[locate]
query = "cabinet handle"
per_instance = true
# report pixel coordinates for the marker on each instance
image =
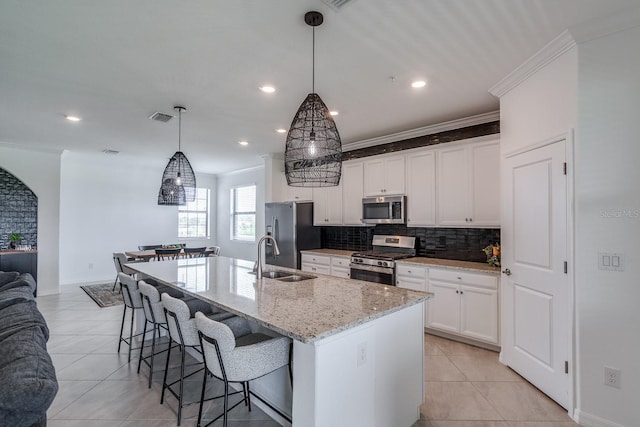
(409, 271)
(461, 292)
(459, 278)
(457, 292)
(466, 219)
(470, 219)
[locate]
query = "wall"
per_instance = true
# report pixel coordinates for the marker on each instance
(228, 247)
(608, 220)
(109, 204)
(542, 107)
(40, 171)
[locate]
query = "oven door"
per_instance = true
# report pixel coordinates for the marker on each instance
(369, 273)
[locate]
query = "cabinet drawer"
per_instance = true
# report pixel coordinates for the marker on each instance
(316, 268)
(340, 262)
(316, 259)
(343, 272)
(464, 277)
(411, 271)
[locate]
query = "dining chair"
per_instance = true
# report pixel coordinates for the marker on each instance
(148, 247)
(213, 251)
(163, 253)
(234, 359)
(194, 252)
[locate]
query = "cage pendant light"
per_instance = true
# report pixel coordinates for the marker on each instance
(178, 180)
(313, 154)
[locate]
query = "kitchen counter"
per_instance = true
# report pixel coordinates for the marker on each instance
(357, 346)
(449, 263)
(15, 251)
(330, 252)
(306, 311)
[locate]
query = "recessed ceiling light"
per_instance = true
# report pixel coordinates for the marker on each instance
(268, 89)
(281, 130)
(243, 143)
(334, 113)
(73, 118)
(418, 84)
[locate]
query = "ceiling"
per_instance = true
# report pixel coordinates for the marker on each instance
(116, 62)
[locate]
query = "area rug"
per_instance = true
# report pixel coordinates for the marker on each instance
(103, 295)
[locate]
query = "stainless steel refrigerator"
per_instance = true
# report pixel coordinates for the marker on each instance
(291, 224)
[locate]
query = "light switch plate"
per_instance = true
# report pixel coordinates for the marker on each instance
(610, 261)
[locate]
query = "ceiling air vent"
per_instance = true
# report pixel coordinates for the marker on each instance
(161, 117)
(336, 4)
(112, 152)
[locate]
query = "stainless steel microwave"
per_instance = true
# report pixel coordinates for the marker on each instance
(384, 210)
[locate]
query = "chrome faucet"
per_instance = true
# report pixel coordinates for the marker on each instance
(276, 251)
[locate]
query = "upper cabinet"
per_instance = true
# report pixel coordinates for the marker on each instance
(421, 189)
(294, 194)
(352, 192)
(384, 176)
(327, 205)
(469, 185)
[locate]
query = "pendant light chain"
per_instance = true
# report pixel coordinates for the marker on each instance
(313, 60)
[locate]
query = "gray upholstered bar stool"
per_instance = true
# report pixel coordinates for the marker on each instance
(154, 315)
(183, 333)
(132, 301)
(237, 359)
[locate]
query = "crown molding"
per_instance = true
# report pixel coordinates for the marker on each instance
(539, 60)
(605, 26)
(422, 131)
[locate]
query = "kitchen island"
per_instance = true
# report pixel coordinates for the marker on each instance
(358, 346)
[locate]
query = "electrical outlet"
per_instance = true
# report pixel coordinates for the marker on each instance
(612, 377)
(362, 353)
(90, 266)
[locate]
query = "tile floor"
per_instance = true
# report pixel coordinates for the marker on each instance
(465, 386)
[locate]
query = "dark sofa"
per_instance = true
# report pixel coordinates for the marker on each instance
(28, 381)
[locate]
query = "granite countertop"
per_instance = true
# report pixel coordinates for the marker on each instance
(306, 311)
(449, 263)
(14, 251)
(331, 252)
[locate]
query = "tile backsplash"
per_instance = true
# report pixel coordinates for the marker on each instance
(462, 244)
(18, 211)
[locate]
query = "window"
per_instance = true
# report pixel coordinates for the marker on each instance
(193, 218)
(243, 213)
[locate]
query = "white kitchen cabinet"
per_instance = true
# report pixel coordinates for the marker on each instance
(327, 205)
(464, 304)
(352, 192)
(340, 267)
(469, 185)
(315, 263)
(421, 189)
(384, 176)
(410, 276)
(294, 194)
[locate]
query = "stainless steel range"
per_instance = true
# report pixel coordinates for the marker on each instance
(379, 265)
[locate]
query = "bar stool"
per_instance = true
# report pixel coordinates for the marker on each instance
(237, 360)
(183, 333)
(132, 301)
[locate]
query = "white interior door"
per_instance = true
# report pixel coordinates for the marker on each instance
(535, 295)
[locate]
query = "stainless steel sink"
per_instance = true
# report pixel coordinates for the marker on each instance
(273, 274)
(295, 278)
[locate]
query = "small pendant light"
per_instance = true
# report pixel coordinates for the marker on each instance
(313, 154)
(178, 180)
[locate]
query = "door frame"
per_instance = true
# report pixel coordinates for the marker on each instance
(569, 138)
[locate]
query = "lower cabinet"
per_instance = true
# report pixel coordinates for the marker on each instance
(340, 267)
(315, 263)
(412, 277)
(464, 303)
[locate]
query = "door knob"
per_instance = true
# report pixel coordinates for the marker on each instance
(507, 271)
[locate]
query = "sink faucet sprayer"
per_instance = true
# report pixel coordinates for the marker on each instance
(276, 251)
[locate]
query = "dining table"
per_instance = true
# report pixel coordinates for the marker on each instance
(149, 254)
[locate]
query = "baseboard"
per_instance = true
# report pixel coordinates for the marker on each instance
(588, 420)
(464, 340)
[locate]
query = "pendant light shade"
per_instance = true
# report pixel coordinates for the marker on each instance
(178, 180)
(313, 154)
